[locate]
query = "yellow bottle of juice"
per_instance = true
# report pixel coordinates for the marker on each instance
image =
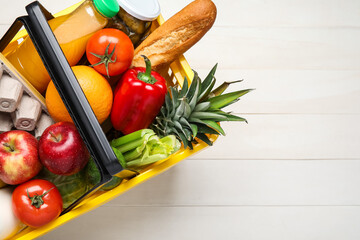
(71, 31)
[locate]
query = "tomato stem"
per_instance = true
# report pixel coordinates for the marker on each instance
(37, 200)
(105, 58)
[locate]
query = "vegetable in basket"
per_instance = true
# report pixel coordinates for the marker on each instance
(36, 202)
(144, 147)
(135, 151)
(138, 98)
(110, 51)
(192, 112)
(70, 187)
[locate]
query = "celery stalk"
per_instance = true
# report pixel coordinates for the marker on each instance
(134, 144)
(131, 155)
(130, 137)
(144, 147)
(138, 163)
(120, 157)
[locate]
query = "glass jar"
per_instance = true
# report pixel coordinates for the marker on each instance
(135, 18)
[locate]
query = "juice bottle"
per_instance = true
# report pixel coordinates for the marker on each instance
(71, 31)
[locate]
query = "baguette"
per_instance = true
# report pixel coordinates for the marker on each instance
(176, 35)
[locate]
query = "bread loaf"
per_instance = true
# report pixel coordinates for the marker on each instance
(176, 35)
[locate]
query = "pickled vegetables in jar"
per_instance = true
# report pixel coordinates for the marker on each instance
(135, 18)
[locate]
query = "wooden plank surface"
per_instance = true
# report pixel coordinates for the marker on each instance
(293, 171)
(250, 183)
(227, 222)
(288, 136)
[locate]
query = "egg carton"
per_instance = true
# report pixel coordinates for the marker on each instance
(21, 106)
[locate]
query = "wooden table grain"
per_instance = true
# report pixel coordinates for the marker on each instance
(293, 171)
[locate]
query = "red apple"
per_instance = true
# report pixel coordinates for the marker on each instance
(62, 150)
(19, 161)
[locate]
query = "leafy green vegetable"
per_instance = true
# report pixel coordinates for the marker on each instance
(144, 147)
(70, 187)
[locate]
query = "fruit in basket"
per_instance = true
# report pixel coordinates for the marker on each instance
(96, 89)
(19, 159)
(9, 224)
(110, 51)
(192, 112)
(36, 202)
(62, 150)
(138, 98)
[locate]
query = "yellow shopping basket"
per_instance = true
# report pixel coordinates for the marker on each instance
(84, 119)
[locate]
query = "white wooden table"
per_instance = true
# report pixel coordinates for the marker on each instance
(293, 172)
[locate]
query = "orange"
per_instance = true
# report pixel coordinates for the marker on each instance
(96, 89)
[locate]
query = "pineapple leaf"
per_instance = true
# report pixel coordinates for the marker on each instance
(231, 117)
(221, 101)
(184, 122)
(207, 81)
(194, 99)
(182, 138)
(206, 92)
(208, 115)
(191, 91)
(179, 127)
(220, 89)
(194, 129)
(215, 126)
(190, 146)
(167, 103)
(187, 109)
(188, 134)
(236, 100)
(184, 88)
(163, 110)
(204, 138)
(205, 129)
(175, 101)
(180, 110)
(202, 107)
(195, 120)
(208, 123)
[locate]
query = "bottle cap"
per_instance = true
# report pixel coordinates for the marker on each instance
(108, 8)
(146, 10)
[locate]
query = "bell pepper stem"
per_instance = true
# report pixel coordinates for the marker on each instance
(146, 76)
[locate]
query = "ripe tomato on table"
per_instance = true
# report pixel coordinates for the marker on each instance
(36, 202)
(110, 51)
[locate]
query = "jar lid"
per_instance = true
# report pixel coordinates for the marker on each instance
(146, 10)
(108, 8)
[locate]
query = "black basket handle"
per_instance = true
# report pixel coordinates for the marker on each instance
(70, 90)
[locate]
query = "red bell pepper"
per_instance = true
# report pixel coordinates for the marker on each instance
(138, 98)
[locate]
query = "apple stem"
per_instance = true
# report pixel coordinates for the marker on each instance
(37, 200)
(54, 137)
(9, 146)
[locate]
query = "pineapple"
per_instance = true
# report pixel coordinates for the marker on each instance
(195, 110)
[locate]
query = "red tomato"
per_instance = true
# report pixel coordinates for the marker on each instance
(103, 57)
(36, 202)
